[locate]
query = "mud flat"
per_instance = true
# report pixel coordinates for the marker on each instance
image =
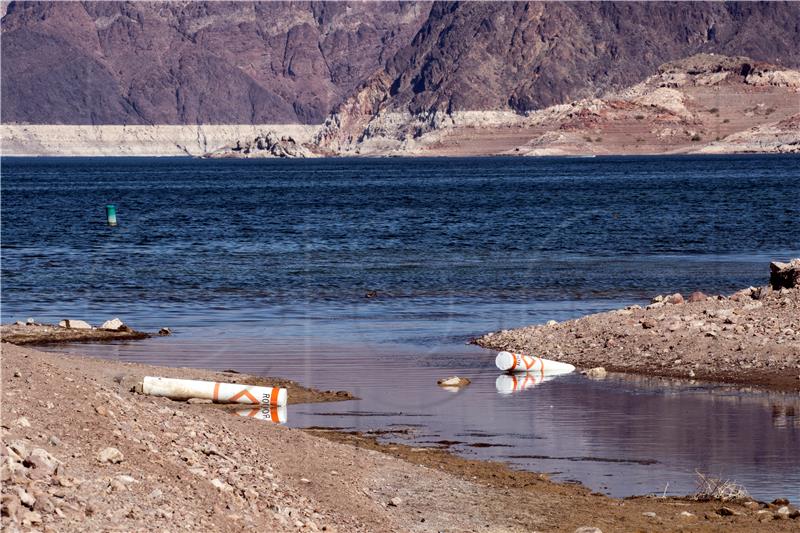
(82, 452)
(751, 337)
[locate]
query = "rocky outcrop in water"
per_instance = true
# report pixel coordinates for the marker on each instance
(268, 144)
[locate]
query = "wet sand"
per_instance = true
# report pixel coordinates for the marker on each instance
(187, 466)
(751, 337)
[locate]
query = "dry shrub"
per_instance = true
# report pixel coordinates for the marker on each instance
(711, 488)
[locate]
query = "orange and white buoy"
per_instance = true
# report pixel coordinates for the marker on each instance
(515, 362)
(183, 389)
(271, 413)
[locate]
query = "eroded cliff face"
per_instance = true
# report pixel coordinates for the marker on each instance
(472, 56)
(193, 62)
(404, 77)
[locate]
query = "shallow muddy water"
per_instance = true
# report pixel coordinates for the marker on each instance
(264, 267)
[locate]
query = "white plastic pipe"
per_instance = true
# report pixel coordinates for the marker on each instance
(515, 362)
(511, 383)
(183, 389)
(272, 413)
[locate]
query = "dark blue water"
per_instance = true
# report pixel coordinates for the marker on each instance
(263, 266)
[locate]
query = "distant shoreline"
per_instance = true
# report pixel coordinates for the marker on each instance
(216, 141)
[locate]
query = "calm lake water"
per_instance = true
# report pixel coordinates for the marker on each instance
(263, 267)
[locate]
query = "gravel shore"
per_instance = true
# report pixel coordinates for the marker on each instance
(83, 453)
(751, 337)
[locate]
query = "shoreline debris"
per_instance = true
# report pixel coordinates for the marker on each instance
(184, 389)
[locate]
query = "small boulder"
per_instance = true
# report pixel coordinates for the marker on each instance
(785, 275)
(30, 322)
(74, 324)
(675, 299)
(552, 323)
(697, 296)
(110, 455)
(42, 463)
(164, 332)
(115, 324)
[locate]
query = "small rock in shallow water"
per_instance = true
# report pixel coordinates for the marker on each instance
(454, 381)
(597, 372)
(165, 331)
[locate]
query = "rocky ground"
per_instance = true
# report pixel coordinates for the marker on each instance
(752, 337)
(82, 452)
(37, 334)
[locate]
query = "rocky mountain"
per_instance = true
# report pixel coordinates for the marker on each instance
(193, 62)
(361, 69)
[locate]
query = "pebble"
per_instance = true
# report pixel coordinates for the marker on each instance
(54, 441)
(552, 322)
(22, 422)
(156, 494)
(395, 502)
(110, 455)
(17, 374)
(686, 514)
(727, 511)
(648, 323)
(30, 321)
(588, 529)
(649, 514)
(304, 480)
(197, 401)
(221, 485)
(27, 499)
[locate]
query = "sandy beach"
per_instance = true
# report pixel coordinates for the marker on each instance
(83, 452)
